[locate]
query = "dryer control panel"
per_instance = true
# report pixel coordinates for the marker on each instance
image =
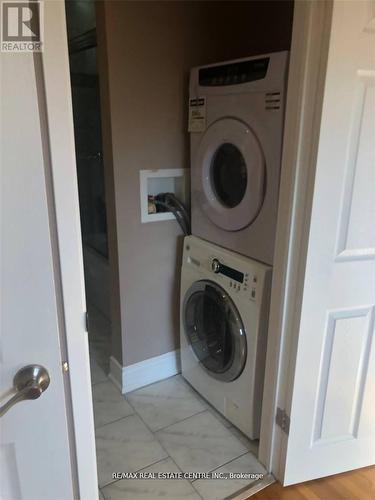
(234, 73)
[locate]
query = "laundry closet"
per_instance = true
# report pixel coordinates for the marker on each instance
(192, 104)
(145, 54)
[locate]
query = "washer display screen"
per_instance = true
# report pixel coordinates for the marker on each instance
(229, 175)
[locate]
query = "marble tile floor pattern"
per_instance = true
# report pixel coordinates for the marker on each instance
(164, 427)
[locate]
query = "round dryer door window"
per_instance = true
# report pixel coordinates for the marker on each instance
(215, 330)
(233, 174)
(229, 175)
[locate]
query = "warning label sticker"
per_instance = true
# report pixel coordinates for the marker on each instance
(197, 114)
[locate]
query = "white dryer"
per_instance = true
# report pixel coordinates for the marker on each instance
(236, 152)
(224, 321)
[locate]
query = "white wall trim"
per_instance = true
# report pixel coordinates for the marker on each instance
(115, 372)
(132, 377)
(59, 116)
(311, 22)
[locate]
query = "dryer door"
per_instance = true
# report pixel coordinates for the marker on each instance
(233, 174)
(214, 330)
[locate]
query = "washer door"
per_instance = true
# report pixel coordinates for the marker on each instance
(232, 174)
(214, 330)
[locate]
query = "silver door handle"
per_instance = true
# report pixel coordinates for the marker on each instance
(29, 382)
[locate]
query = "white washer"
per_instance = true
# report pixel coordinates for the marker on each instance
(236, 154)
(224, 320)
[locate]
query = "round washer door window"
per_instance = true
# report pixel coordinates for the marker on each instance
(215, 330)
(233, 174)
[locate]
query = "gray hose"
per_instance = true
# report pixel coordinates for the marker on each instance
(179, 217)
(173, 198)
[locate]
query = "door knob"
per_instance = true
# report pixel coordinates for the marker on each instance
(29, 382)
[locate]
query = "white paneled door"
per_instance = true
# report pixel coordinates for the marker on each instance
(46, 444)
(35, 449)
(332, 400)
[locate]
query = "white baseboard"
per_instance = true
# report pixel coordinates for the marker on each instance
(132, 377)
(115, 372)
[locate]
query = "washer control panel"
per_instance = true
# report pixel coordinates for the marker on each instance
(238, 280)
(239, 275)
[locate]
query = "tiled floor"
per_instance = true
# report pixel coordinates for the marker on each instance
(164, 427)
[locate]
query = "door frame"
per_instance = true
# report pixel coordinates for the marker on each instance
(309, 51)
(307, 70)
(54, 85)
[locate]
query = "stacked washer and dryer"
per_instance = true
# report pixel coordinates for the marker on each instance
(227, 262)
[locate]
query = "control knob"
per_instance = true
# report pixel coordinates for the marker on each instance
(215, 266)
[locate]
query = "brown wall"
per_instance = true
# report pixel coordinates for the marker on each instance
(150, 47)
